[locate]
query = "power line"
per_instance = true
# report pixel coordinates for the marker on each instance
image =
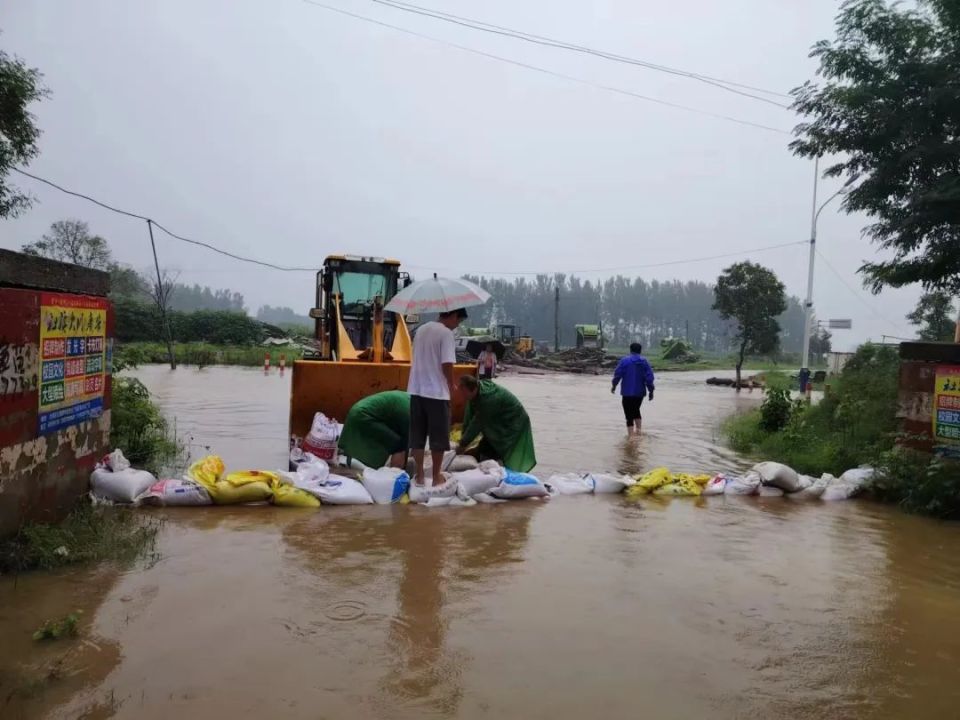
(727, 85)
(536, 68)
(160, 227)
(630, 267)
(856, 294)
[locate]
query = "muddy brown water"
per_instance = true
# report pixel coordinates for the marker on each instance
(578, 607)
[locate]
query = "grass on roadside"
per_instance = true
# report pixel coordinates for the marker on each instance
(203, 354)
(88, 534)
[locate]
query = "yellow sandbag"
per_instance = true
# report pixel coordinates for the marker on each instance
(223, 493)
(404, 499)
(289, 496)
(700, 480)
(683, 487)
(456, 433)
(207, 470)
(651, 481)
(242, 477)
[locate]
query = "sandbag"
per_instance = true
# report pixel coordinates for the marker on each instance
(223, 493)
(816, 488)
(124, 486)
(517, 485)
(651, 481)
(290, 496)
(421, 493)
(242, 477)
(684, 487)
(805, 481)
(716, 485)
(700, 480)
(386, 485)
(206, 471)
(115, 461)
(473, 482)
(338, 490)
(572, 483)
(778, 475)
(492, 467)
(452, 501)
(747, 484)
(487, 499)
(770, 491)
(462, 462)
(858, 477)
(605, 484)
(322, 439)
(311, 469)
(840, 489)
(175, 493)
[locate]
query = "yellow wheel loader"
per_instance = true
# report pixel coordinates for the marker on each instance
(361, 349)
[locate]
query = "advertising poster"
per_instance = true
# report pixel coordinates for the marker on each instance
(946, 411)
(73, 332)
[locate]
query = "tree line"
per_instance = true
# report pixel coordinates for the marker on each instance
(629, 309)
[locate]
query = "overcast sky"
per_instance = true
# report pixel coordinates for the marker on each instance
(284, 131)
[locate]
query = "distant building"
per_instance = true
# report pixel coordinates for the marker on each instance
(836, 361)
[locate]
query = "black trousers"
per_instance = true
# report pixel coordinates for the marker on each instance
(631, 408)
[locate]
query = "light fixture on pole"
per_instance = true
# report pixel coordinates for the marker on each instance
(808, 305)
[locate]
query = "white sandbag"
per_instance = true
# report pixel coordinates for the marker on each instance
(452, 501)
(176, 493)
(311, 469)
(572, 483)
(519, 485)
(487, 499)
(115, 461)
(492, 467)
(386, 485)
(338, 490)
(448, 458)
(838, 489)
(812, 488)
(322, 439)
(473, 482)
(747, 484)
(778, 475)
(124, 486)
(421, 493)
(858, 477)
(461, 463)
(715, 486)
(605, 484)
(770, 491)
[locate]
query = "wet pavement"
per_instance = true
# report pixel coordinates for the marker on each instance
(668, 608)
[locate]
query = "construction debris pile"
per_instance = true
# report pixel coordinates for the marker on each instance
(580, 361)
(315, 483)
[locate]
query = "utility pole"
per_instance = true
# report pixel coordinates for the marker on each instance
(556, 319)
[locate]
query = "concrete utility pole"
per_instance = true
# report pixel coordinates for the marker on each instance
(556, 319)
(808, 305)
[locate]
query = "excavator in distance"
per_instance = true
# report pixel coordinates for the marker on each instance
(361, 349)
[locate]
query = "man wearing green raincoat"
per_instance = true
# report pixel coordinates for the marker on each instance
(376, 430)
(496, 413)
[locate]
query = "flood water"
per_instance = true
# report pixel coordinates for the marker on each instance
(578, 607)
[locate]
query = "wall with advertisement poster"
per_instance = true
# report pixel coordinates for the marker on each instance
(56, 329)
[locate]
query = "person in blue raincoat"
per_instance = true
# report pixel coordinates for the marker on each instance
(635, 378)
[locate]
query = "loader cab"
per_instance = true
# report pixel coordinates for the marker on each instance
(350, 295)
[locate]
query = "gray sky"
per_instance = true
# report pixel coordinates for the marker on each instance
(286, 132)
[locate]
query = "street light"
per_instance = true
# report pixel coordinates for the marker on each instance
(808, 305)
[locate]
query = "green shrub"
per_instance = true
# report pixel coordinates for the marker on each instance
(138, 428)
(775, 410)
(919, 483)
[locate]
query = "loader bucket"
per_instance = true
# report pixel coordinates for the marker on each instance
(333, 387)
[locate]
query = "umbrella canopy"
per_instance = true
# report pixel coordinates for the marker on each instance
(437, 295)
(477, 345)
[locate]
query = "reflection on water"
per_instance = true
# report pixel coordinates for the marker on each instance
(577, 607)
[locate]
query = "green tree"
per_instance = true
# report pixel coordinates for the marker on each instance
(934, 316)
(820, 344)
(752, 297)
(19, 87)
(70, 241)
(889, 106)
(128, 284)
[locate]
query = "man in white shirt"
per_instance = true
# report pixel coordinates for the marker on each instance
(430, 388)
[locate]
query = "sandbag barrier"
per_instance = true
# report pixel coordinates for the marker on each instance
(315, 483)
